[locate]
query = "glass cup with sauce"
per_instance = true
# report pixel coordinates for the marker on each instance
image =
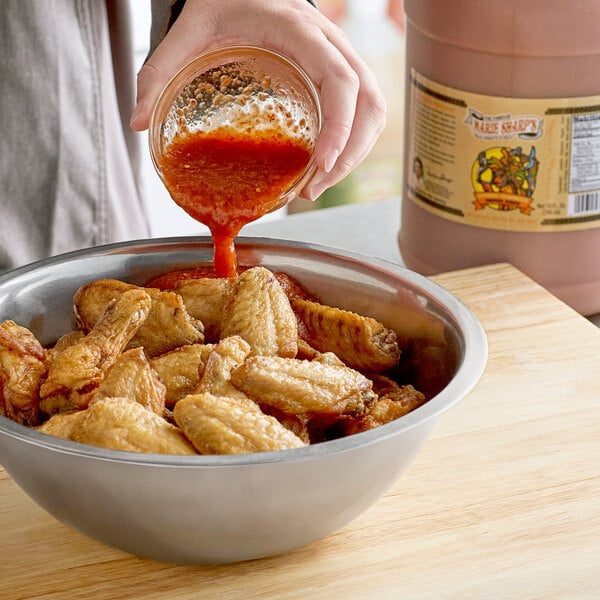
(232, 137)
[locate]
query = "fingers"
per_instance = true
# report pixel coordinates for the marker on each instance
(353, 118)
(353, 108)
(148, 90)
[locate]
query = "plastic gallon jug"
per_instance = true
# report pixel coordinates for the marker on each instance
(502, 141)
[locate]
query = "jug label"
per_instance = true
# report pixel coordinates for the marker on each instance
(517, 164)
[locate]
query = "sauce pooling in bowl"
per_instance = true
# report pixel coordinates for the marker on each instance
(225, 178)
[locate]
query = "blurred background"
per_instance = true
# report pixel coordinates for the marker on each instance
(376, 30)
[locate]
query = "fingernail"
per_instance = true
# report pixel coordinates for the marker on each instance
(136, 114)
(315, 190)
(330, 160)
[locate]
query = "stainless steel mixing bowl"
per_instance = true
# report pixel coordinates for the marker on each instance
(214, 509)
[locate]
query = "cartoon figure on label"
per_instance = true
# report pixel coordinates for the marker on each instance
(418, 170)
(504, 179)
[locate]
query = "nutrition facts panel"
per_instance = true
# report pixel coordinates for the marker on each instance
(585, 153)
(584, 183)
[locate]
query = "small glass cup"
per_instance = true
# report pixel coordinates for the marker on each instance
(244, 87)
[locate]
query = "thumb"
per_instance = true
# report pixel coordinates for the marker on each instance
(168, 58)
(149, 85)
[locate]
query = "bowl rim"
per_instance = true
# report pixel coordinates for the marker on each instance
(466, 377)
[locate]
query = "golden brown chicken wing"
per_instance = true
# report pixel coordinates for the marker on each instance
(393, 401)
(205, 300)
(297, 424)
(360, 342)
(22, 368)
(220, 425)
(404, 397)
(132, 376)
(75, 373)
(329, 358)
(302, 386)
(62, 425)
(172, 280)
(68, 339)
(227, 355)
(120, 424)
(168, 325)
(258, 311)
(180, 369)
(307, 352)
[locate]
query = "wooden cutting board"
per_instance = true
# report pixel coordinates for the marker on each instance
(502, 502)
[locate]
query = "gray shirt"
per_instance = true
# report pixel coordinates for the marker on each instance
(69, 163)
(69, 172)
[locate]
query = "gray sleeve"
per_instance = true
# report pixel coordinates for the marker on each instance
(164, 14)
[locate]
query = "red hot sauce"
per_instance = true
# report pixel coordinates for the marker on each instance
(226, 178)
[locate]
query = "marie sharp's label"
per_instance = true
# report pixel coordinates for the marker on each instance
(504, 163)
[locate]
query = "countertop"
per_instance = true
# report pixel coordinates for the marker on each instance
(369, 227)
(502, 502)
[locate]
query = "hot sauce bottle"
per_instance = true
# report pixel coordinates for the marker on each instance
(502, 141)
(232, 138)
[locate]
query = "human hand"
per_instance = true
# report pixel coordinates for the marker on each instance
(353, 107)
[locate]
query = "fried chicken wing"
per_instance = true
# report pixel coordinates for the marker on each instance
(120, 424)
(306, 351)
(301, 386)
(171, 280)
(205, 300)
(228, 354)
(259, 311)
(329, 358)
(76, 372)
(360, 342)
(297, 424)
(22, 367)
(64, 341)
(180, 369)
(393, 401)
(405, 398)
(220, 425)
(132, 376)
(168, 325)
(62, 425)
(19, 339)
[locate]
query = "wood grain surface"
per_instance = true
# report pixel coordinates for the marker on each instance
(502, 502)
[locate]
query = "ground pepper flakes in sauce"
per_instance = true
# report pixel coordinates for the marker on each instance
(225, 178)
